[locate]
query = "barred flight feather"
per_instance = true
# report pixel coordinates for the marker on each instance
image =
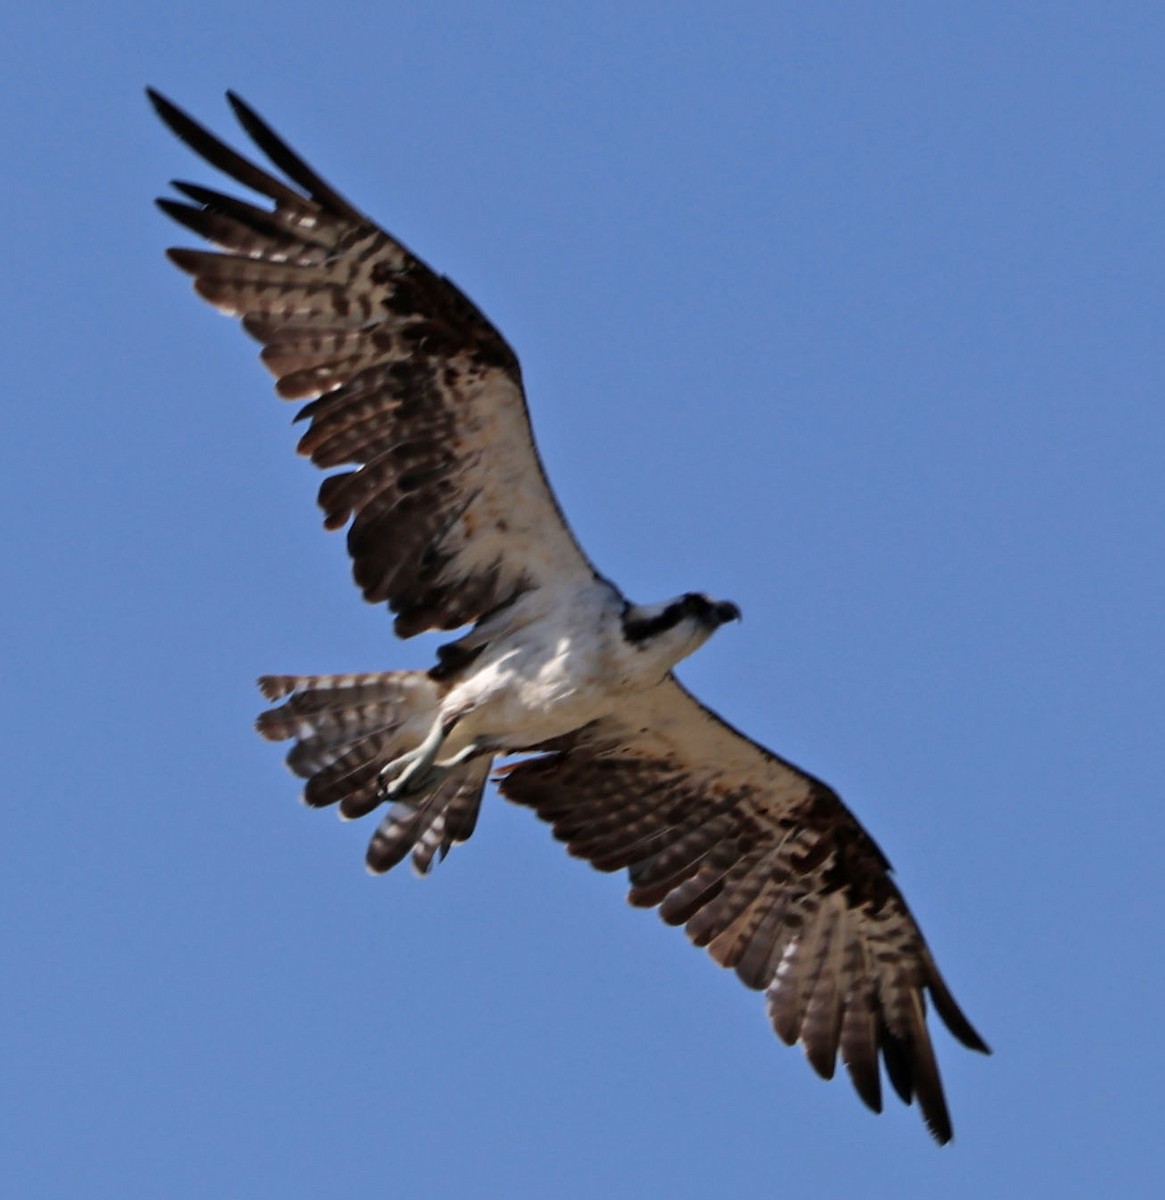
(434, 533)
(418, 401)
(768, 870)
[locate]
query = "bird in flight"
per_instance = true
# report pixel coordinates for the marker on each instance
(453, 525)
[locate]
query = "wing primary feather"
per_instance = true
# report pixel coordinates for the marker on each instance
(763, 864)
(821, 1024)
(286, 159)
(229, 231)
(220, 155)
(896, 1056)
(780, 882)
(859, 1029)
(924, 1071)
(274, 231)
(951, 1014)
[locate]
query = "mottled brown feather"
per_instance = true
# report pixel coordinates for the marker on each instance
(767, 868)
(413, 391)
(408, 383)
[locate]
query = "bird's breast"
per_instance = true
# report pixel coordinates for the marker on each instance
(543, 680)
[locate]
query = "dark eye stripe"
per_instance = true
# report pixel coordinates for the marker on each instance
(638, 630)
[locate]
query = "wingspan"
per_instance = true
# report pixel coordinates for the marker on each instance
(765, 867)
(451, 514)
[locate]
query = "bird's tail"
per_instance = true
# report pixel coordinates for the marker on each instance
(347, 729)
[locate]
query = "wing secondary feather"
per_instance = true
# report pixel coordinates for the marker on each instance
(418, 400)
(449, 511)
(767, 868)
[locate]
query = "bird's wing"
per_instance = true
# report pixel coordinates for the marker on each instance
(451, 514)
(767, 868)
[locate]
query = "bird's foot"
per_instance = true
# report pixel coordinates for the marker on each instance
(406, 774)
(418, 771)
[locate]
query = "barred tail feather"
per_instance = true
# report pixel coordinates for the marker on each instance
(347, 729)
(427, 826)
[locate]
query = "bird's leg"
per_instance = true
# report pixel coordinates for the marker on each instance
(462, 756)
(418, 770)
(407, 773)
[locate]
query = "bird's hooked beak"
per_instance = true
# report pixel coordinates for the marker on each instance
(726, 611)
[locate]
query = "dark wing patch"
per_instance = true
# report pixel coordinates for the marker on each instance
(765, 867)
(409, 384)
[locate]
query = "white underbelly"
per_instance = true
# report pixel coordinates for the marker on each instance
(526, 694)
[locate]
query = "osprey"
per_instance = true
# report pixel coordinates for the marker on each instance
(452, 524)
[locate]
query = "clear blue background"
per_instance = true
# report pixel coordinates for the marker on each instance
(851, 313)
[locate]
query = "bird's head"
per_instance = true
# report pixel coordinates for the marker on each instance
(667, 632)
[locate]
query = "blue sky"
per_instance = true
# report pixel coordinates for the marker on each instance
(850, 313)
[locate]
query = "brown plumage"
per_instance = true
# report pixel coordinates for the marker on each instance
(767, 868)
(451, 523)
(412, 386)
